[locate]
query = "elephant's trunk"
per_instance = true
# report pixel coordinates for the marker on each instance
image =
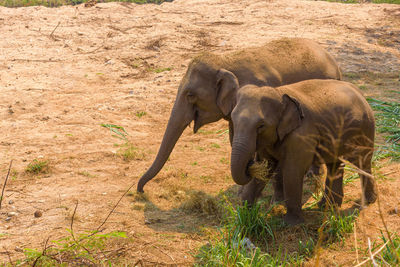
(181, 116)
(243, 149)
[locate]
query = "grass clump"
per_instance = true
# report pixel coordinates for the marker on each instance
(202, 203)
(237, 244)
(129, 152)
(390, 255)
(159, 70)
(37, 167)
(336, 226)
(235, 250)
(116, 130)
(77, 249)
(251, 222)
(140, 114)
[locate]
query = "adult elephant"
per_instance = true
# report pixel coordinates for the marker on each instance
(207, 85)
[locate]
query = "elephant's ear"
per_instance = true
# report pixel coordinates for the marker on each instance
(291, 117)
(227, 86)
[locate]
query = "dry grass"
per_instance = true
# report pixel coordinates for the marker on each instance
(156, 43)
(201, 203)
(260, 170)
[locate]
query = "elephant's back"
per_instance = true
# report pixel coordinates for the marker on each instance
(301, 59)
(289, 59)
(340, 100)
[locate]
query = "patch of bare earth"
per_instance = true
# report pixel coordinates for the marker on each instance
(64, 71)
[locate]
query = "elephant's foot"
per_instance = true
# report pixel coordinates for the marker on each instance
(370, 190)
(370, 197)
(336, 202)
(278, 196)
(293, 219)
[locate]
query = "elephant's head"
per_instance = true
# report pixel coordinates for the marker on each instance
(262, 117)
(206, 94)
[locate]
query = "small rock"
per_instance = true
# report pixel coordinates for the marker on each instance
(249, 245)
(11, 214)
(394, 211)
(38, 214)
(11, 202)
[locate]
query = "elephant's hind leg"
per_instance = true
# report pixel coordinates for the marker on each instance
(368, 184)
(333, 185)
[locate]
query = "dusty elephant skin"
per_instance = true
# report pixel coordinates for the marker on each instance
(298, 124)
(210, 80)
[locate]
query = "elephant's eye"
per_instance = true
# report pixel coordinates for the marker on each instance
(191, 98)
(260, 128)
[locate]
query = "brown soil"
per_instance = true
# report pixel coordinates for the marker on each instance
(64, 71)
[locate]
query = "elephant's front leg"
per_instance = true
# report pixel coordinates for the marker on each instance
(251, 191)
(293, 169)
(277, 183)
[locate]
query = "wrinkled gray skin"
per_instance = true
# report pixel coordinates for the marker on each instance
(208, 83)
(296, 125)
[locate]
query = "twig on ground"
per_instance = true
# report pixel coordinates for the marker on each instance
(42, 254)
(5, 182)
(370, 253)
(355, 240)
(112, 210)
(51, 34)
(165, 253)
(73, 236)
(9, 257)
(139, 262)
(373, 254)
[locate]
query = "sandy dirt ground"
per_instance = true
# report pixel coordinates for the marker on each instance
(65, 71)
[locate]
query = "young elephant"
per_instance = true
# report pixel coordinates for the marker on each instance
(296, 125)
(209, 79)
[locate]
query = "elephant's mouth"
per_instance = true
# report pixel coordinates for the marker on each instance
(249, 164)
(196, 126)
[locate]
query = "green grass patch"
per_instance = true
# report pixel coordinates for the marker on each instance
(140, 114)
(57, 3)
(75, 250)
(390, 255)
(336, 226)
(117, 131)
(159, 70)
(257, 236)
(214, 145)
(235, 250)
(243, 237)
(129, 152)
(38, 166)
(387, 122)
